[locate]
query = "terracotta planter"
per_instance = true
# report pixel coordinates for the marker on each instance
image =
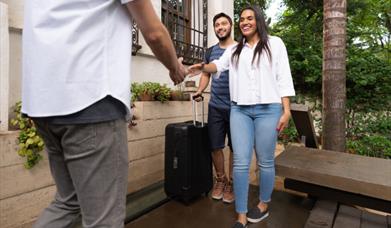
(175, 96)
(145, 97)
(179, 96)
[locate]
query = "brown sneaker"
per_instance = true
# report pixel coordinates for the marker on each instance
(228, 193)
(218, 188)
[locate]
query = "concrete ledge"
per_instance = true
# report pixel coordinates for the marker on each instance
(4, 66)
(145, 148)
(151, 128)
(15, 13)
(9, 148)
(167, 110)
(145, 172)
(16, 180)
(145, 166)
(22, 209)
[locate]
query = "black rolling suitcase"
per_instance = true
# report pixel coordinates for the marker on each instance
(188, 161)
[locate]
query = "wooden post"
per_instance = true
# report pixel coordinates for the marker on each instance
(4, 67)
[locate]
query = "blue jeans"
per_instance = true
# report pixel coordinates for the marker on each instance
(253, 124)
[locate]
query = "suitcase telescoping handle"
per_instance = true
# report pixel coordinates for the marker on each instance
(195, 114)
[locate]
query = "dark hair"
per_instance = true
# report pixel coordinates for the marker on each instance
(262, 33)
(217, 16)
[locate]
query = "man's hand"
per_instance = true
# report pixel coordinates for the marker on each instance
(195, 69)
(197, 96)
(179, 74)
(157, 37)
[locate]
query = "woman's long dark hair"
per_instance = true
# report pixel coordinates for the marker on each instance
(262, 33)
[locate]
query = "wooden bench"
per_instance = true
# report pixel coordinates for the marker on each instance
(335, 178)
(330, 214)
(302, 118)
(342, 177)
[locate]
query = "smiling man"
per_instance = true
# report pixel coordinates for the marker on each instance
(219, 109)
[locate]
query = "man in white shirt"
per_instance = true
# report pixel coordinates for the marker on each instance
(76, 82)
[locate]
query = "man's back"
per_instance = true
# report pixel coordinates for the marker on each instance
(75, 53)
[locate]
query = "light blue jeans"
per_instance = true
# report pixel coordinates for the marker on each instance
(253, 125)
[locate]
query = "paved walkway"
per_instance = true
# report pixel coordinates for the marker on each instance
(286, 211)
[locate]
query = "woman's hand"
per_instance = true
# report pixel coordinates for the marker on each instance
(283, 123)
(195, 69)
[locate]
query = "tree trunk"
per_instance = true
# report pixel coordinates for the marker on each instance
(334, 75)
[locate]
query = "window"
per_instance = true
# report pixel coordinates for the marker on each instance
(135, 34)
(186, 20)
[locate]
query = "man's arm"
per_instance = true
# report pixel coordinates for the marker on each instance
(204, 82)
(198, 68)
(157, 37)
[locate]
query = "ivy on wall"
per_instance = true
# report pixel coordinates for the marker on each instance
(30, 143)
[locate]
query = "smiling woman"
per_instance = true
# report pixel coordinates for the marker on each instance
(260, 85)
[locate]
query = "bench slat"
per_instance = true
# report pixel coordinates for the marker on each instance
(348, 172)
(322, 215)
(338, 195)
(371, 220)
(347, 217)
(302, 118)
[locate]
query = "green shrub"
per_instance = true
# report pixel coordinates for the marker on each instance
(289, 134)
(164, 93)
(153, 89)
(30, 143)
(373, 146)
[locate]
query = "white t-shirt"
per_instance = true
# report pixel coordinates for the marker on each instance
(75, 52)
(262, 83)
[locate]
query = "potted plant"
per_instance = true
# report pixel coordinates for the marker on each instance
(163, 94)
(150, 91)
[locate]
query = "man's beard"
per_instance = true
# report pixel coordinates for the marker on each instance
(223, 38)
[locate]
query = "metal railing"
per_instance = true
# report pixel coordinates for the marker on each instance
(135, 39)
(186, 21)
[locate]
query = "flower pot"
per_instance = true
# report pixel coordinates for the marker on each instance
(179, 96)
(145, 97)
(176, 96)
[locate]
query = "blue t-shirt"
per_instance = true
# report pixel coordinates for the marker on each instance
(220, 86)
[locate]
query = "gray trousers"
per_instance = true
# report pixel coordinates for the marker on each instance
(89, 164)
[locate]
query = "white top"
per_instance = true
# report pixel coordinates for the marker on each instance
(262, 83)
(75, 52)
